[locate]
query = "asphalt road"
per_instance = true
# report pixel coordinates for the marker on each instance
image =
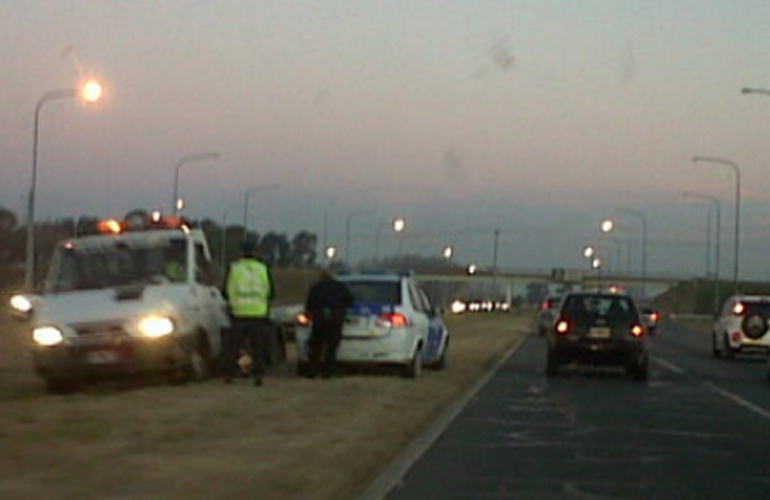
(698, 429)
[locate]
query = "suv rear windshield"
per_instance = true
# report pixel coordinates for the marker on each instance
(613, 306)
(375, 292)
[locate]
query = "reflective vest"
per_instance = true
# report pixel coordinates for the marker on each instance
(248, 289)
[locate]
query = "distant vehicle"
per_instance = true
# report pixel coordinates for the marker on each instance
(391, 323)
(127, 302)
(599, 329)
(650, 318)
(546, 314)
(742, 326)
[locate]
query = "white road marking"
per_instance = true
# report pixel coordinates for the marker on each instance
(716, 389)
(670, 366)
(394, 473)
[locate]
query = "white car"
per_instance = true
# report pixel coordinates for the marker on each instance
(125, 303)
(392, 323)
(742, 326)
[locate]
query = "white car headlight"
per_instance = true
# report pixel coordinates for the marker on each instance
(47, 335)
(156, 326)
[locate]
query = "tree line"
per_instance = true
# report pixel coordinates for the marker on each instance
(278, 249)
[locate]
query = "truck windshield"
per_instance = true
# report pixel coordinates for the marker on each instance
(119, 264)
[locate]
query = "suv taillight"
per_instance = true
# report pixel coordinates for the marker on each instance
(562, 327)
(392, 320)
(637, 331)
(739, 308)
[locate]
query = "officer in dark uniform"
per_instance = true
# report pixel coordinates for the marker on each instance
(327, 303)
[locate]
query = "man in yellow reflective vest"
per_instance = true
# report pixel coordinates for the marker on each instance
(248, 290)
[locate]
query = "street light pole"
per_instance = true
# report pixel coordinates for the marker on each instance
(261, 187)
(737, 171)
(208, 155)
(643, 219)
(718, 208)
(91, 91)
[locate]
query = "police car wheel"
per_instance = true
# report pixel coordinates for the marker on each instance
(414, 368)
(443, 361)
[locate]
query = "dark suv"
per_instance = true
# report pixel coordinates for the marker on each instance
(599, 329)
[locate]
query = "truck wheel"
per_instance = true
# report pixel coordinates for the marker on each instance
(196, 364)
(60, 386)
(413, 369)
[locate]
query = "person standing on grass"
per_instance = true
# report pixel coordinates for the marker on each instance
(327, 303)
(248, 291)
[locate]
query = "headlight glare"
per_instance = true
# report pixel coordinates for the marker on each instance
(21, 303)
(156, 326)
(47, 335)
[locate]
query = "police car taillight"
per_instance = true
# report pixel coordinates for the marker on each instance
(392, 320)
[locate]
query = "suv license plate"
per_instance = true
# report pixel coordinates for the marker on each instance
(104, 357)
(599, 332)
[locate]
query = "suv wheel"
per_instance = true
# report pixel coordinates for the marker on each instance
(414, 368)
(552, 362)
(640, 370)
(715, 351)
(727, 351)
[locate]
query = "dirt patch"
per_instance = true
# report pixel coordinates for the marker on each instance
(293, 438)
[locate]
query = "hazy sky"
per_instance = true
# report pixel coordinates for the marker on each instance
(537, 117)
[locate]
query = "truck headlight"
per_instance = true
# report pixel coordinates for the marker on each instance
(156, 326)
(47, 335)
(21, 304)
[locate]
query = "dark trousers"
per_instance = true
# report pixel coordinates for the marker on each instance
(249, 334)
(324, 340)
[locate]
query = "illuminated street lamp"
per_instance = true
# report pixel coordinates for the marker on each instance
(448, 252)
(596, 263)
(588, 251)
(472, 268)
(608, 226)
(399, 226)
(330, 252)
(90, 92)
(208, 155)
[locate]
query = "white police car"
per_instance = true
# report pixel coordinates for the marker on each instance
(392, 322)
(127, 302)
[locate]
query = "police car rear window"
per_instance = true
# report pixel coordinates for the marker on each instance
(375, 292)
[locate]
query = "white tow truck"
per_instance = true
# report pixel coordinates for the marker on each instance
(127, 302)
